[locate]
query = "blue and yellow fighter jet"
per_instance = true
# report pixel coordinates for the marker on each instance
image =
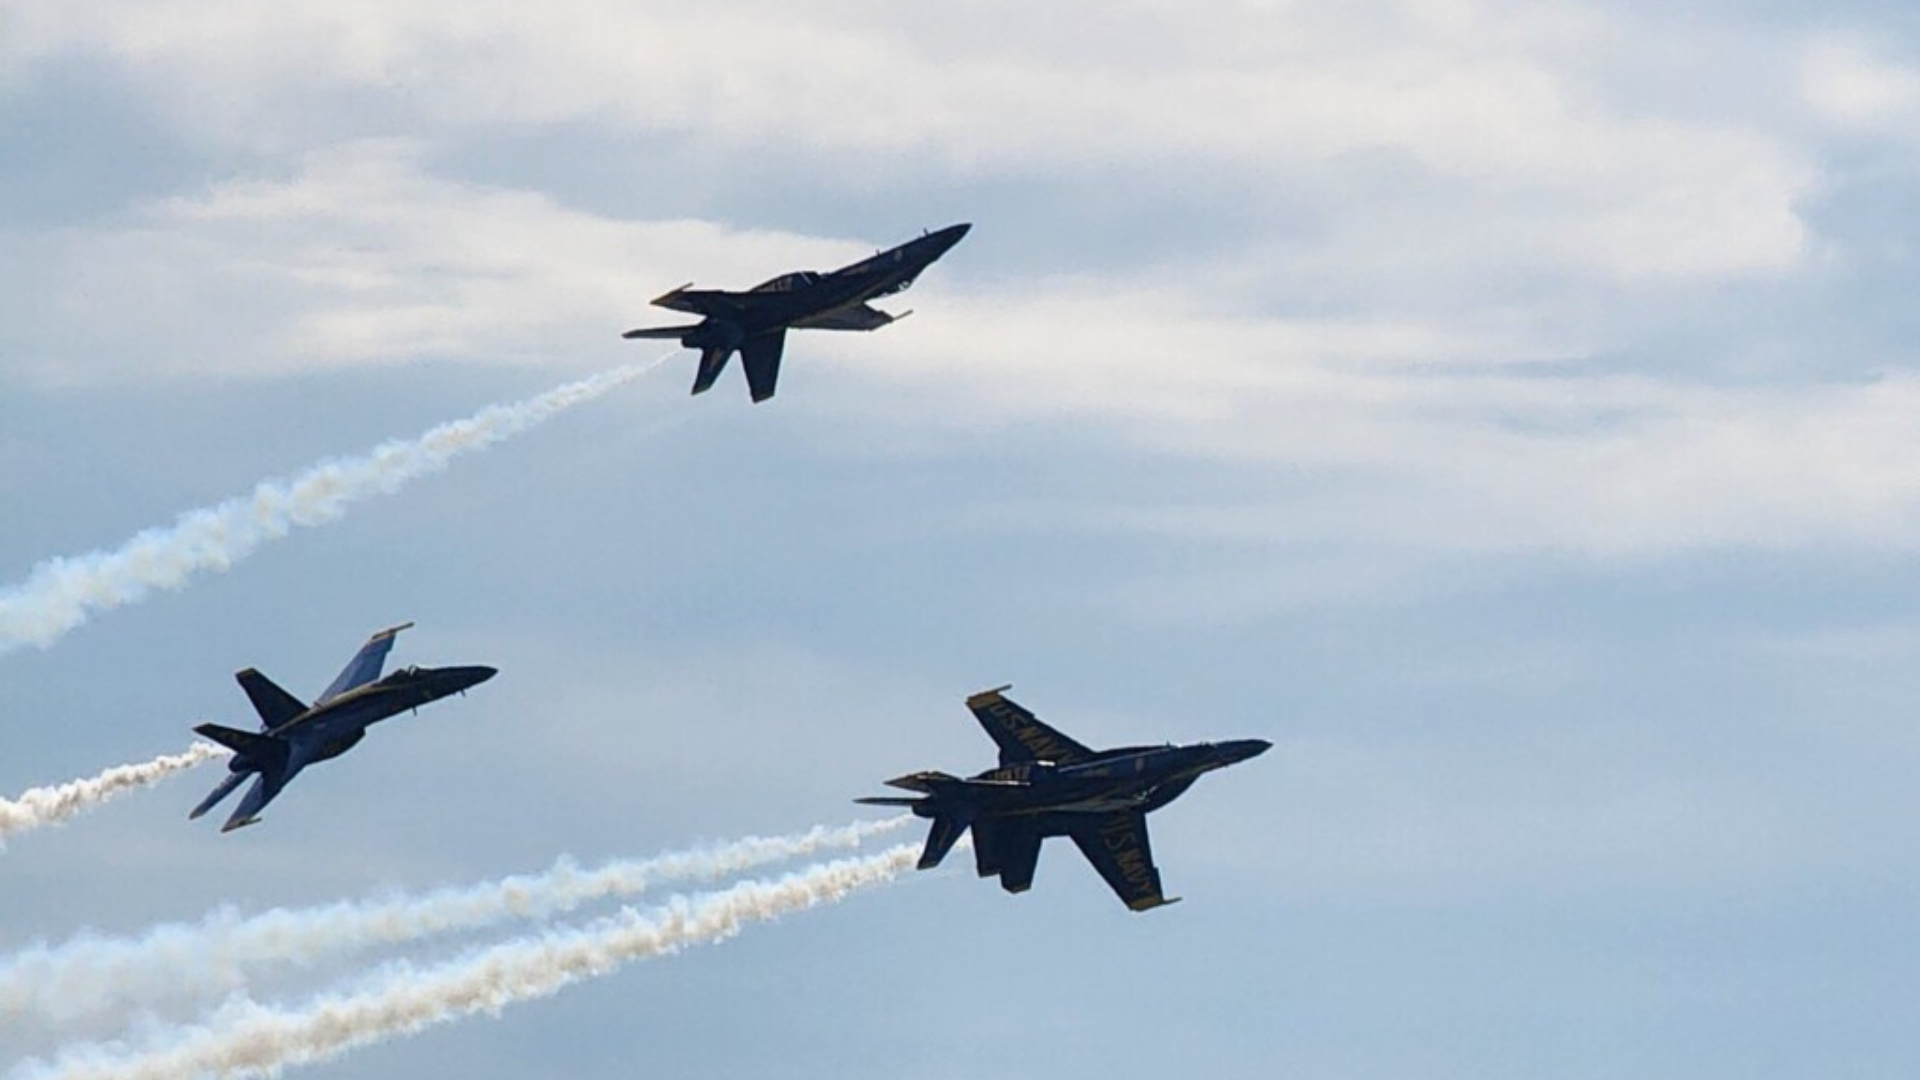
(756, 322)
(294, 735)
(1049, 785)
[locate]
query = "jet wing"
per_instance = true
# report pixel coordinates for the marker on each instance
(366, 664)
(1116, 845)
(760, 354)
(1020, 734)
(857, 317)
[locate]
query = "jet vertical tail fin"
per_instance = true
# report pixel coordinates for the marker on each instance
(760, 355)
(220, 792)
(712, 362)
(947, 830)
(274, 705)
(258, 796)
(1018, 855)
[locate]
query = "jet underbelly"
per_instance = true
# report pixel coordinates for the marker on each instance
(1103, 801)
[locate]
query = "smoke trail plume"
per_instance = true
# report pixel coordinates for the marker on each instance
(89, 974)
(244, 1037)
(52, 805)
(60, 593)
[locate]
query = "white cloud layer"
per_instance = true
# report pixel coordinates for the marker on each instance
(1507, 101)
(1450, 436)
(1851, 85)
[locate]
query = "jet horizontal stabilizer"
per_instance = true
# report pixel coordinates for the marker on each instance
(670, 333)
(888, 800)
(699, 301)
(922, 781)
(260, 752)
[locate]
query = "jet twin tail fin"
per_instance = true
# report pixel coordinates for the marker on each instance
(713, 361)
(274, 705)
(760, 355)
(366, 664)
(929, 781)
(268, 759)
(224, 789)
(1010, 850)
(947, 831)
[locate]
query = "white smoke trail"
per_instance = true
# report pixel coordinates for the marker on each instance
(244, 1037)
(52, 805)
(90, 974)
(61, 592)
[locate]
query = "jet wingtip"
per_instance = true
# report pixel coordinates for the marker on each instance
(988, 695)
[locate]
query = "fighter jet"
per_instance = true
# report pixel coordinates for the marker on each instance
(1049, 785)
(756, 321)
(294, 735)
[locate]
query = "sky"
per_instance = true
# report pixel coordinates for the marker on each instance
(1511, 411)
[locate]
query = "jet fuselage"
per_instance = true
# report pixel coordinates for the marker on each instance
(333, 726)
(1130, 778)
(1047, 785)
(754, 323)
(294, 734)
(790, 299)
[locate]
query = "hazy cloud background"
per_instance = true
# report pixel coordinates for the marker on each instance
(1510, 410)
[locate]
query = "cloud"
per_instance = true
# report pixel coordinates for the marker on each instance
(359, 257)
(1445, 429)
(1509, 104)
(1851, 86)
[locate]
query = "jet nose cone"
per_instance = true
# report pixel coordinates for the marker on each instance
(947, 237)
(465, 678)
(1242, 749)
